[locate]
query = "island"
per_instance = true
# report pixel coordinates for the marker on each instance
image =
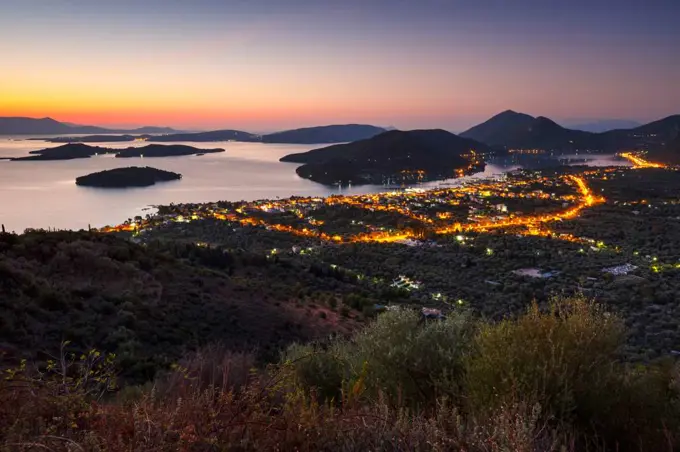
(93, 139)
(80, 151)
(133, 176)
(159, 150)
(393, 157)
(66, 152)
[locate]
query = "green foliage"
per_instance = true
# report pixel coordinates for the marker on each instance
(400, 358)
(566, 360)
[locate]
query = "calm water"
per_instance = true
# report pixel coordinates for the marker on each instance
(44, 194)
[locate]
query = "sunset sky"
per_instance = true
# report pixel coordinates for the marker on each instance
(271, 64)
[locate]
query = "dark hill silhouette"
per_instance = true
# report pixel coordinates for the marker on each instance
(49, 126)
(215, 135)
(127, 177)
(518, 130)
(324, 134)
(496, 130)
(396, 155)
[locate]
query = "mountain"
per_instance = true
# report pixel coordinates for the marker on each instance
(29, 126)
(398, 156)
(495, 131)
(518, 130)
(324, 134)
(605, 125)
(49, 126)
(215, 135)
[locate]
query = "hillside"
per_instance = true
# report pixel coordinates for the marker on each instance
(406, 156)
(145, 304)
(127, 177)
(324, 134)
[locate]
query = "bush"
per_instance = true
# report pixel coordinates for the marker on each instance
(566, 361)
(400, 357)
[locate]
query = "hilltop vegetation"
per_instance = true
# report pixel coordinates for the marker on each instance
(547, 381)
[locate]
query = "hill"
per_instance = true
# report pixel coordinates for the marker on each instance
(149, 305)
(495, 131)
(518, 130)
(215, 135)
(49, 126)
(324, 134)
(399, 156)
(127, 177)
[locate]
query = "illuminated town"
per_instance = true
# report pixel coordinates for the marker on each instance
(413, 214)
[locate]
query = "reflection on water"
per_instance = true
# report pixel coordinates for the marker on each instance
(44, 194)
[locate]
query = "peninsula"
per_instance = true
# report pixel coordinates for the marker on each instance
(392, 157)
(133, 176)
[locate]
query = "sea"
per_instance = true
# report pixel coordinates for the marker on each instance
(43, 194)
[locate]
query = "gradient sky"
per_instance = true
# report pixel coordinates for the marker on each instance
(271, 64)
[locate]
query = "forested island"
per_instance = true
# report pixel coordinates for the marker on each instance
(127, 177)
(79, 151)
(159, 150)
(394, 156)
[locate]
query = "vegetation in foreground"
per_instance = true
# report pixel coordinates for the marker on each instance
(548, 380)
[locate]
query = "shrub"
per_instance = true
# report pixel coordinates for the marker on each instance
(566, 361)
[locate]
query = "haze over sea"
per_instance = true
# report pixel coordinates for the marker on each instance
(43, 194)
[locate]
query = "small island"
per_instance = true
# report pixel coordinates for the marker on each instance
(82, 151)
(127, 177)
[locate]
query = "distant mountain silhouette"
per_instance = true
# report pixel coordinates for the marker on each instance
(395, 156)
(605, 125)
(49, 126)
(202, 137)
(497, 130)
(516, 130)
(324, 134)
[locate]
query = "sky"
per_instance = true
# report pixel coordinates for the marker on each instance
(263, 65)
